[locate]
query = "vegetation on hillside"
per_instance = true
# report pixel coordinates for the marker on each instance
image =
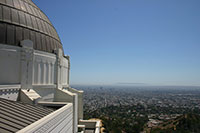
(188, 123)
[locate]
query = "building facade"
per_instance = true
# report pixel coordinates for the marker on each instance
(34, 71)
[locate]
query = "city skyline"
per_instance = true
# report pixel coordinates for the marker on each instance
(130, 42)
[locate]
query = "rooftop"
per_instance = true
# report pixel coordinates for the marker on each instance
(14, 116)
(22, 20)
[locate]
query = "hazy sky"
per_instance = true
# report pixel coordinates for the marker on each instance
(150, 42)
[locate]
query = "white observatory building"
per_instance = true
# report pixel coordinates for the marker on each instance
(35, 95)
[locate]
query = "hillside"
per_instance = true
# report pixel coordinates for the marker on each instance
(189, 123)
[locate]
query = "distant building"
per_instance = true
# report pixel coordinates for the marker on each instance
(35, 95)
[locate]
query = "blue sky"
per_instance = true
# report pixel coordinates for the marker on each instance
(150, 42)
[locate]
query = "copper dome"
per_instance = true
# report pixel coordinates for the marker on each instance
(22, 19)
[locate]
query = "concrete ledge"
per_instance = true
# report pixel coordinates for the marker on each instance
(12, 86)
(29, 96)
(91, 124)
(62, 95)
(52, 104)
(80, 101)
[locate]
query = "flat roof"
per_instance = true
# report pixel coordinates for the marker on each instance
(15, 116)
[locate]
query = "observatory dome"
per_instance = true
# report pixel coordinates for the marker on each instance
(21, 20)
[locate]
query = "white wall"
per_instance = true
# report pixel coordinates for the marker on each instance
(48, 70)
(67, 96)
(9, 65)
(80, 101)
(46, 94)
(44, 69)
(64, 71)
